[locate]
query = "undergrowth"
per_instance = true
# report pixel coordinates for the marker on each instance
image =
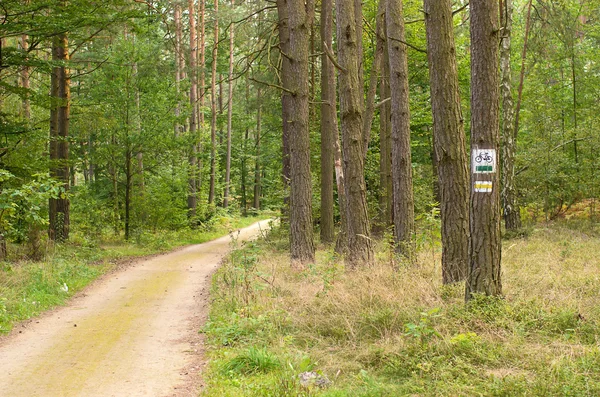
(394, 329)
(27, 288)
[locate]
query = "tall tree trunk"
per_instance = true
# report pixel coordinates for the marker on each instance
(284, 47)
(512, 219)
(244, 148)
(229, 114)
(450, 155)
(201, 91)
(192, 200)
(300, 16)
(484, 248)
(59, 138)
(403, 202)
(512, 216)
(385, 150)
(25, 81)
(178, 64)
(328, 124)
(360, 248)
(375, 71)
(213, 109)
(257, 179)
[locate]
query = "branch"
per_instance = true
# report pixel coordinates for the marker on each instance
(460, 9)
(332, 58)
(379, 104)
(272, 85)
(567, 142)
(408, 44)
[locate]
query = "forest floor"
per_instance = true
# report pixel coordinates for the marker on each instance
(394, 330)
(133, 332)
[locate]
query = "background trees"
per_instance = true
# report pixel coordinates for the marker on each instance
(149, 147)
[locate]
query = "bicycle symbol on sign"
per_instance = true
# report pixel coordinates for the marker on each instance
(485, 156)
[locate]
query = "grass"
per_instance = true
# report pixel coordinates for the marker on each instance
(29, 288)
(396, 330)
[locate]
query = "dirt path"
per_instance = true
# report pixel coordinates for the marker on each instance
(134, 333)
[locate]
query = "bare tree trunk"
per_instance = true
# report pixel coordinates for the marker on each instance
(360, 248)
(375, 71)
(257, 178)
(25, 82)
(192, 200)
(512, 218)
(403, 202)
(484, 248)
(301, 17)
(178, 65)
(229, 115)
(213, 109)
(385, 150)
(284, 47)
(201, 91)
(59, 138)
(328, 124)
(450, 156)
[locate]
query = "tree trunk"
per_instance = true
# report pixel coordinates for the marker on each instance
(373, 78)
(450, 156)
(484, 248)
(301, 16)
(192, 200)
(284, 46)
(257, 179)
(328, 124)
(360, 249)
(385, 149)
(512, 220)
(213, 109)
(178, 64)
(403, 202)
(25, 81)
(201, 91)
(229, 115)
(512, 216)
(59, 138)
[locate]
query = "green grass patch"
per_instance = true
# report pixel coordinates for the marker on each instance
(394, 330)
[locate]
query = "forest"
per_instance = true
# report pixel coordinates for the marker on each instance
(429, 166)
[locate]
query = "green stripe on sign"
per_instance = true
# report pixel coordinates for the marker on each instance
(483, 168)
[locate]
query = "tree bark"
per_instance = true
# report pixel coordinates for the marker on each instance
(374, 76)
(201, 91)
(284, 47)
(25, 81)
(360, 249)
(213, 110)
(385, 147)
(328, 124)
(229, 114)
(192, 199)
(178, 64)
(450, 156)
(484, 248)
(512, 218)
(257, 168)
(59, 138)
(403, 202)
(301, 16)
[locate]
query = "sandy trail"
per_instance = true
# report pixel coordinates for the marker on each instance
(133, 333)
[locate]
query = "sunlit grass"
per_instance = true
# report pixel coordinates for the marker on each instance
(394, 329)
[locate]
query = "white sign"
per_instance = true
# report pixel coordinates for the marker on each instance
(483, 186)
(483, 161)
